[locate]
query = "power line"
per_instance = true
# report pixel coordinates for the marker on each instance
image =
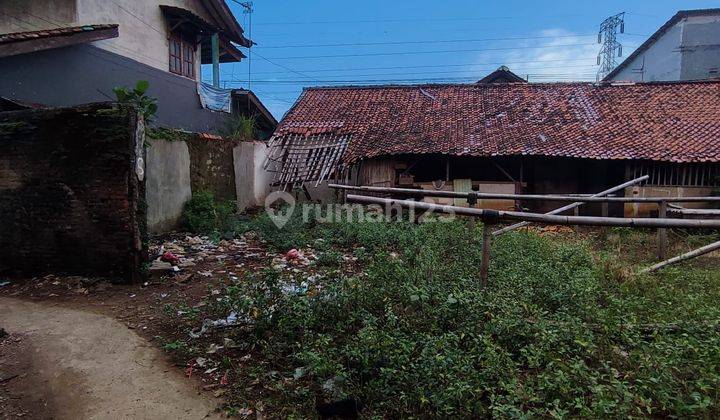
(415, 80)
(357, 44)
(427, 52)
(433, 19)
(437, 65)
(138, 18)
(282, 66)
(474, 69)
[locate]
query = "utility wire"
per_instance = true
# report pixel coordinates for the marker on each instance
(591, 59)
(428, 52)
(433, 19)
(444, 41)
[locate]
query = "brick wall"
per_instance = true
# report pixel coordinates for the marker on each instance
(70, 194)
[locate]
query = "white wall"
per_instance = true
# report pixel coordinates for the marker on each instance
(33, 15)
(167, 186)
(143, 31)
(659, 62)
(687, 51)
(252, 182)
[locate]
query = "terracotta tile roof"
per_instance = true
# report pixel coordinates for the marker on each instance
(676, 122)
(50, 33)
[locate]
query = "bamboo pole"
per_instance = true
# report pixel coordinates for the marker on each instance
(662, 232)
(485, 264)
(528, 197)
(686, 256)
(577, 204)
(496, 216)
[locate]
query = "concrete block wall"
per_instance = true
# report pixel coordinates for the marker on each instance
(168, 183)
(71, 189)
(177, 168)
(251, 180)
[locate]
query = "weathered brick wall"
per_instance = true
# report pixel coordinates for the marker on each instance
(70, 196)
(211, 166)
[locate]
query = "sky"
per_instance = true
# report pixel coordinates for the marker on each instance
(326, 42)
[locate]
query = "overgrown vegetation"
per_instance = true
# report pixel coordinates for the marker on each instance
(559, 332)
(203, 214)
(241, 128)
(138, 98)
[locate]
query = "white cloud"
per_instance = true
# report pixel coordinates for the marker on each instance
(562, 56)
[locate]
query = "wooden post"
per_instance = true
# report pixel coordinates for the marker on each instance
(662, 232)
(487, 229)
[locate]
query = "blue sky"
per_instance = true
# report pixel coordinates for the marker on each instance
(402, 41)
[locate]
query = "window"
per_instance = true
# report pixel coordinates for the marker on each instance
(182, 57)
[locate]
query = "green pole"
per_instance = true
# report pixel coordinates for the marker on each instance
(215, 41)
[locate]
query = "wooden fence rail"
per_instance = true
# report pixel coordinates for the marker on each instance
(491, 217)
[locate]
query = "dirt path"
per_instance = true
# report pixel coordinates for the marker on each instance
(79, 365)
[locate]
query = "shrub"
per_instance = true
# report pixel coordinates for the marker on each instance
(202, 214)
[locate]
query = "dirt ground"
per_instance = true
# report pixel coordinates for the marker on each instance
(85, 348)
(73, 364)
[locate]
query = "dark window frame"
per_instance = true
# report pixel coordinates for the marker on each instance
(182, 55)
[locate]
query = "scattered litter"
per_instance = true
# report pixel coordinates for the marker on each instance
(213, 348)
(224, 380)
(4, 283)
(200, 362)
(211, 370)
(171, 258)
(292, 254)
(209, 324)
(205, 273)
(158, 268)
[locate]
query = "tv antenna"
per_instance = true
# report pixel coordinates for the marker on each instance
(248, 10)
(607, 36)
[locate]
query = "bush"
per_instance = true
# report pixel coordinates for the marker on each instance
(202, 214)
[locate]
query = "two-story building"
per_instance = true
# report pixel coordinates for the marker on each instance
(70, 52)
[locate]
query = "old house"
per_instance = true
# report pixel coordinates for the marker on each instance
(686, 47)
(71, 52)
(505, 138)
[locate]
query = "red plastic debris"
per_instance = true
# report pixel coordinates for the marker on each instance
(224, 379)
(170, 258)
(292, 254)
